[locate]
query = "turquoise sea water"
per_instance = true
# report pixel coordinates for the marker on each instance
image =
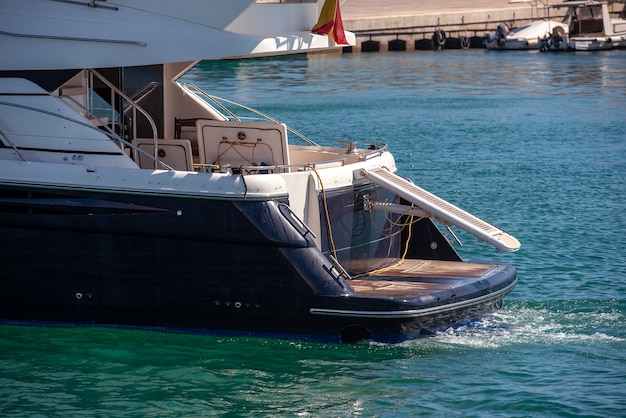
(535, 143)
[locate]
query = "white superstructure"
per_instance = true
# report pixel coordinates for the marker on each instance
(47, 34)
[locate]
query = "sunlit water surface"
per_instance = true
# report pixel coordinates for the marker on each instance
(535, 143)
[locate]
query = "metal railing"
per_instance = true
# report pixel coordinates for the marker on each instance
(73, 38)
(219, 103)
(108, 131)
(113, 135)
(129, 105)
(91, 3)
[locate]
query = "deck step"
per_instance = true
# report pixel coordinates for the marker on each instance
(443, 211)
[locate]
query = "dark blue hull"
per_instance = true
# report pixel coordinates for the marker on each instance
(201, 265)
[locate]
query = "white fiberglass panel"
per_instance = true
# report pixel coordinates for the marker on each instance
(45, 122)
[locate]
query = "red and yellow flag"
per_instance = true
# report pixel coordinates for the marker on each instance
(329, 23)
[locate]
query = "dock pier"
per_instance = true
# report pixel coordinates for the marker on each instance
(409, 25)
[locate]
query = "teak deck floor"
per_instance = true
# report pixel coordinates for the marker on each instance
(414, 277)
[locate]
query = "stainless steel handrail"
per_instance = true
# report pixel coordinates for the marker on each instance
(287, 166)
(216, 100)
(115, 136)
(135, 108)
(92, 4)
(72, 38)
(89, 125)
(3, 135)
(143, 92)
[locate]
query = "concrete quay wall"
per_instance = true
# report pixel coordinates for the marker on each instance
(411, 25)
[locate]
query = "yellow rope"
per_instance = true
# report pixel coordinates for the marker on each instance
(330, 231)
(234, 146)
(392, 223)
(231, 146)
(397, 263)
(411, 220)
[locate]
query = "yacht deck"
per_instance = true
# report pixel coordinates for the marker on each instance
(415, 277)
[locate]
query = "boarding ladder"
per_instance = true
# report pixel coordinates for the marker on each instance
(441, 210)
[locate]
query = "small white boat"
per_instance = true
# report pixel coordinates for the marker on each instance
(588, 26)
(525, 37)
